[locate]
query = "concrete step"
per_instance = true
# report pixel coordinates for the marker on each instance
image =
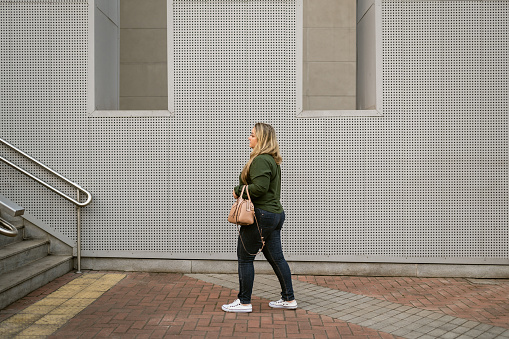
(4, 241)
(16, 284)
(14, 256)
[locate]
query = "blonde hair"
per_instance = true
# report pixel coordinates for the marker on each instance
(266, 144)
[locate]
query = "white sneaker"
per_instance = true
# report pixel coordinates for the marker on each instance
(236, 306)
(290, 305)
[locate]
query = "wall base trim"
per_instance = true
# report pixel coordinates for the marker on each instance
(300, 267)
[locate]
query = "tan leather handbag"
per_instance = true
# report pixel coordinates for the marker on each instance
(242, 212)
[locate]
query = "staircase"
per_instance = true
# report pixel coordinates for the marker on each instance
(29, 260)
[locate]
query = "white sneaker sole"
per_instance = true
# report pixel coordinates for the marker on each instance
(291, 307)
(226, 309)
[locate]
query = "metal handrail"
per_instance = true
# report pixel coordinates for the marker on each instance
(74, 201)
(7, 229)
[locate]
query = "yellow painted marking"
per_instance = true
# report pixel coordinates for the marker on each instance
(24, 318)
(36, 309)
(86, 279)
(88, 295)
(11, 329)
(51, 302)
(46, 316)
(37, 329)
(53, 319)
(67, 293)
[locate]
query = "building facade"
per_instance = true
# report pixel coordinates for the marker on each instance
(392, 116)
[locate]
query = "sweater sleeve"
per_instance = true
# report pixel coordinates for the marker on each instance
(237, 189)
(260, 173)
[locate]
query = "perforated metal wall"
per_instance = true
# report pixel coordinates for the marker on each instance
(43, 93)
(427, 182)
(446, 75)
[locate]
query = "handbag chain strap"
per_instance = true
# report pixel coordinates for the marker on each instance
(256, 221)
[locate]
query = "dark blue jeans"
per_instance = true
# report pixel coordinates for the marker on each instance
(270, 225)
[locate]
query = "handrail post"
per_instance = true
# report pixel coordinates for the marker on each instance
(78, 232)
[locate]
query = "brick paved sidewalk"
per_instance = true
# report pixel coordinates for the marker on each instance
(163, 305)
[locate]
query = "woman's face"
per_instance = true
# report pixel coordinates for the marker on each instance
(252, 139)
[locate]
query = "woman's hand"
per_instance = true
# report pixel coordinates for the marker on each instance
(235, 195)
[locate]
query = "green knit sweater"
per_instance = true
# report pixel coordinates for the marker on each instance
(264, 184)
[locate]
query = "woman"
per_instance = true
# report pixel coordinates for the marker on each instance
(262, 174)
